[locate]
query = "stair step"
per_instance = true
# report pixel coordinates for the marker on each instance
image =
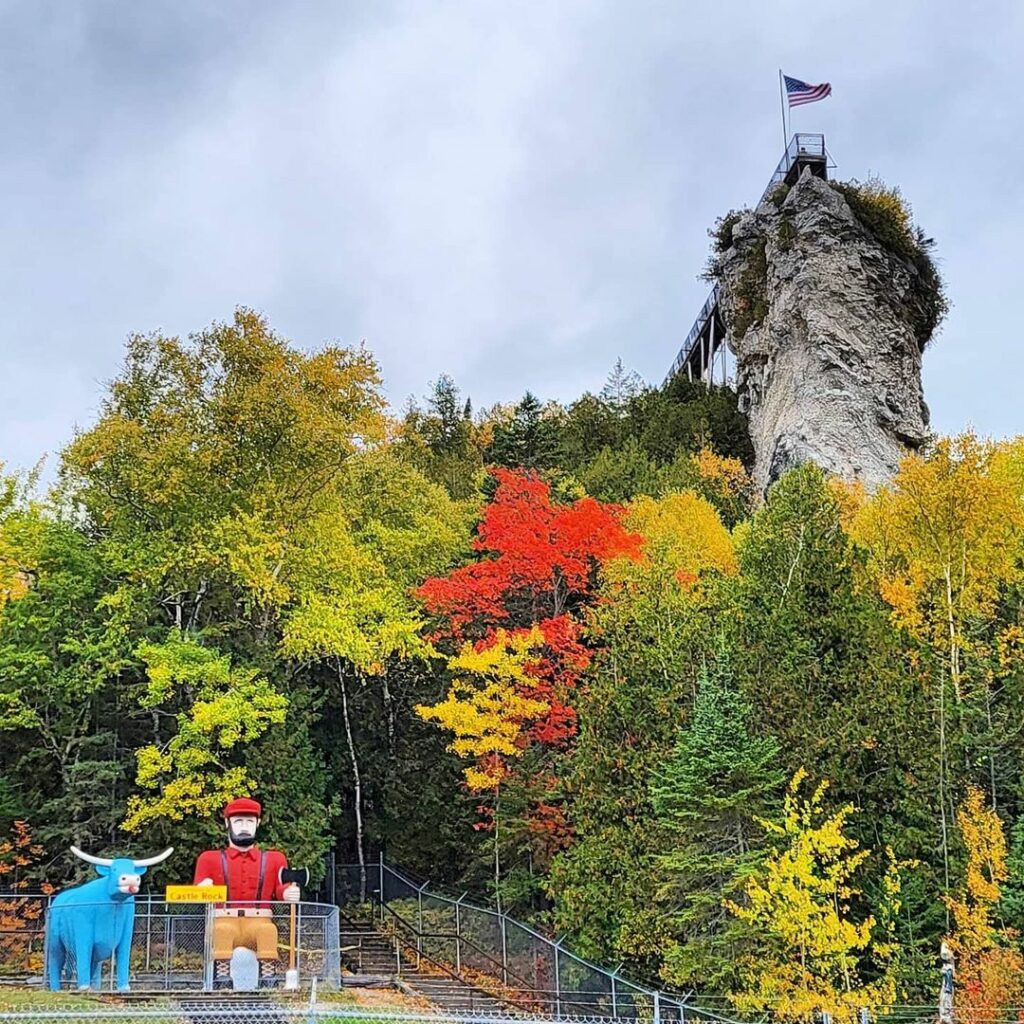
(371, 952)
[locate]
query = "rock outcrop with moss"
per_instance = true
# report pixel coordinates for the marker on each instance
(829, 297)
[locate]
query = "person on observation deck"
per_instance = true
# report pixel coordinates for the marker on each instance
(252, 877)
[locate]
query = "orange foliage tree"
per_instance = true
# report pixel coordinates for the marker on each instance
(512, 621)
(21, 926)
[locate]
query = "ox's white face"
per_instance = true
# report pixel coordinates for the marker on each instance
(129, 884)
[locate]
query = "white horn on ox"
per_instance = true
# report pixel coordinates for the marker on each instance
(103, 862)
(158, 859)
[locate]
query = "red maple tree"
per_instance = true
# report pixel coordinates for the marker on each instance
(538, 568)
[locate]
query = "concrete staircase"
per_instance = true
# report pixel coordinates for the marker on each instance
(369, 953)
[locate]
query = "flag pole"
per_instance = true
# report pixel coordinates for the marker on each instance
(782, 104)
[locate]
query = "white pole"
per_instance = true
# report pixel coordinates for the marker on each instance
(782, 104)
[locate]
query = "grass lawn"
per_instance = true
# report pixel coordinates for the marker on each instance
(12, 998)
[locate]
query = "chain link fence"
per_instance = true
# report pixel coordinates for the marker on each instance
(506, 958)
(274, 1011)
(171, 944)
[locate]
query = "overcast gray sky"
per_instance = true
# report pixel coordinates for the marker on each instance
(515, 193)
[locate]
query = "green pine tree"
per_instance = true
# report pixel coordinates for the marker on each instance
(529, 440)
(717, 779)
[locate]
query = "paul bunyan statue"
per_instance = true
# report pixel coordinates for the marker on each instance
(253, 878)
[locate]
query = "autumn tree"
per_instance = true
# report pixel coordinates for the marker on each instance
(352, 614)
(989, 965)
(188, 776)
(944, 543)
(651, 627)
(210, 458)
(813, 954)
(519, 607)
(21, 914)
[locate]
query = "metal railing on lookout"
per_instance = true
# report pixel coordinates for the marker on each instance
(804, 149)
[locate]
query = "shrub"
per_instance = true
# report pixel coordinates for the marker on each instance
(752, 291)
(786, 234)
(721, 233)
(884, 212)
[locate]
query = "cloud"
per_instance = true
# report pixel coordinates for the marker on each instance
(514, 194)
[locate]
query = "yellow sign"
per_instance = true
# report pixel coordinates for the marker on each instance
(196, 893)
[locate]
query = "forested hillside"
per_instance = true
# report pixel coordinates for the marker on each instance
(766, 748)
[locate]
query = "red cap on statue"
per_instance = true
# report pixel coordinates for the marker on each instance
(243, 806)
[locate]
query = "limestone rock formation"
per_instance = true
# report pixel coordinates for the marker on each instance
(827, 324)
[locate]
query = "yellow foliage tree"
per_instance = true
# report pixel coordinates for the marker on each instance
(14, 573)
(683, 535)
(799, 902)
(989, 969)
(724, 482)
(485, 707)
(944, 540)
(229, 705)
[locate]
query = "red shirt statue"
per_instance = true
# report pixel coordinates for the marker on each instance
(253, 880)
(250, 874)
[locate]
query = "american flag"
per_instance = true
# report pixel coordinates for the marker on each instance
(798, 92)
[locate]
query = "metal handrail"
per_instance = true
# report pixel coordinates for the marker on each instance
(679, 1002)
(706, 312)
(457, 938)
(803, 144)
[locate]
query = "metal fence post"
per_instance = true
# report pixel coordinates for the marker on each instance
(558, 986)
(657, 1007)
(458, 934)
(419, 922)
(208, 949)
(167, 950)
(380, 864)
(504, 951)
(615, 1004)
(149, 927)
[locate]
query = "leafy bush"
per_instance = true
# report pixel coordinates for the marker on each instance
(721, 233)
(786, 234)
(888, 217)
(752, 291)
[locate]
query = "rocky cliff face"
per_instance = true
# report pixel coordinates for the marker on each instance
(827, 326)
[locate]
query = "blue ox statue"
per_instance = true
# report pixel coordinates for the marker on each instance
(89, 923)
